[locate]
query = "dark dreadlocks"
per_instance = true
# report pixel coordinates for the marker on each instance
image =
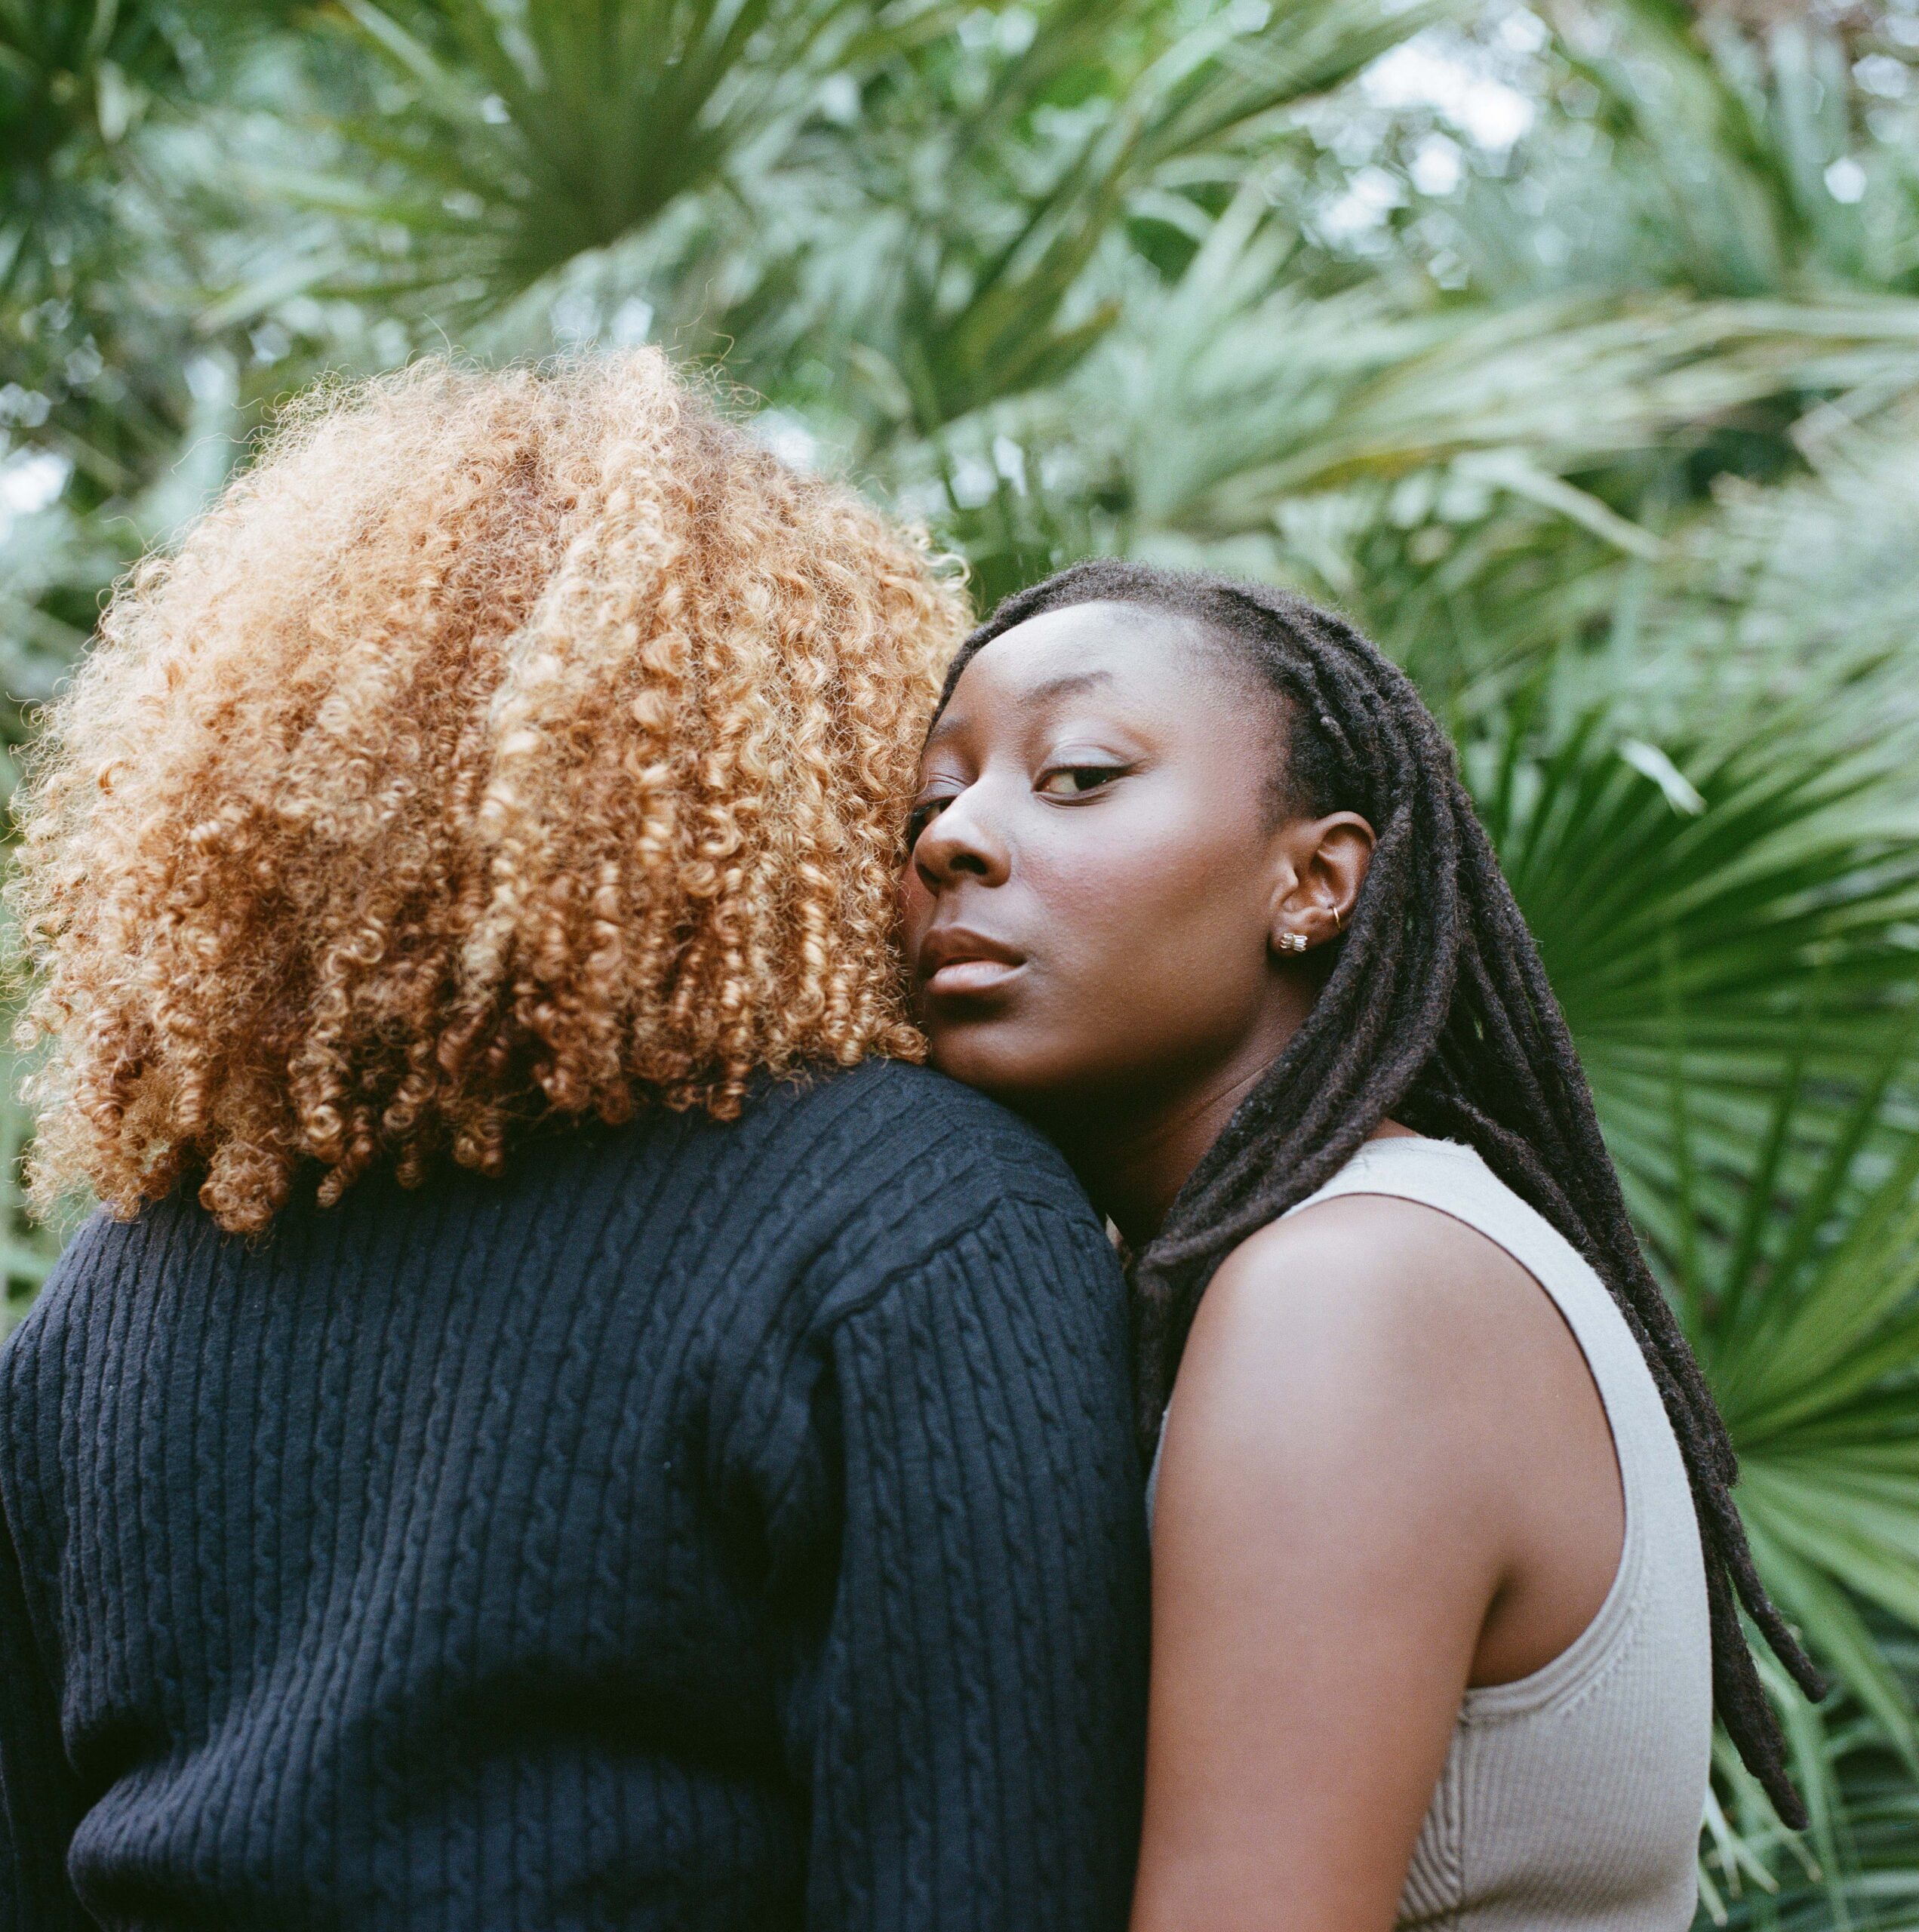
(1437, 1011)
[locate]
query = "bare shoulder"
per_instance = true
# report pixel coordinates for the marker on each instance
(1383, 1435)
(1371, 1321)
(1392, 1286)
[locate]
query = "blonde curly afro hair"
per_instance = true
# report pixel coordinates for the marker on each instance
(502, 747)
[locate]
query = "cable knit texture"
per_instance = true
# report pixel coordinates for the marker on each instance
(707, 1526)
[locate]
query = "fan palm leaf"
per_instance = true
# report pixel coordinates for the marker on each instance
(1747, 899)
(1730, 923)
(534, 133)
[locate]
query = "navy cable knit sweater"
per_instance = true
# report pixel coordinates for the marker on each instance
(707, 1526)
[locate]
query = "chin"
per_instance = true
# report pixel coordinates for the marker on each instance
(972, 1061)
(995, 1060)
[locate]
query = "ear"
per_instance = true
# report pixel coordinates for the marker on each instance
(1320, 864)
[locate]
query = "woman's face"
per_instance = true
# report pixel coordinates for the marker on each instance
(1097, 880)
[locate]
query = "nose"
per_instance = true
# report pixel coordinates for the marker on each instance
(962, 843)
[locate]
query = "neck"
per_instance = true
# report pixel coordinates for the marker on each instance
(1133, 1152)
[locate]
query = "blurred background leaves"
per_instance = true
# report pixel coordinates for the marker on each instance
(1573, 347)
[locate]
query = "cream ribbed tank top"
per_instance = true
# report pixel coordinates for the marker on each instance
(1571, 1799)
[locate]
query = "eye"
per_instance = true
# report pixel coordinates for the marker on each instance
(1075, 781)
(922, 814)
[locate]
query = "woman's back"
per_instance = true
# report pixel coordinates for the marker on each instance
(707, 1524)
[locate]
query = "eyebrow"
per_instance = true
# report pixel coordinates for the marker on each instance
(1060, 686)
(1073, 681)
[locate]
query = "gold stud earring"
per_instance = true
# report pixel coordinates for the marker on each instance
(1292, 942)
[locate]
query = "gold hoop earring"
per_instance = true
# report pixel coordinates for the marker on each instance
(1336, 921)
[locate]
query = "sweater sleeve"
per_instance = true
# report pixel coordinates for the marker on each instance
(40, 1801)
(977, 1705)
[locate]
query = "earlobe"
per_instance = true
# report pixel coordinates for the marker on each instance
(1282, 915)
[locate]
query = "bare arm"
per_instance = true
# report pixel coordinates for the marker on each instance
(1345, 1496)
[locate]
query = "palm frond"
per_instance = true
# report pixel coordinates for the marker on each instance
(1742, 905)
(529, 138)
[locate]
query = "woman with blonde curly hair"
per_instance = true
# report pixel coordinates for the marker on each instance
(557, 1422)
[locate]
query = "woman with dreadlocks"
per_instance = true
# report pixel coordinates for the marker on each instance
(1446, 1576)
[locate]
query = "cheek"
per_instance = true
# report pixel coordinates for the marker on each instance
(1180, 899)
(1153, 957)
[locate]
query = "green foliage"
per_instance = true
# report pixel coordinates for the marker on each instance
(1574, 349)
(520, 138)
(1731, 898)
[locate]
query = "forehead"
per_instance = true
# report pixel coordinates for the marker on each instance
(1125, 654)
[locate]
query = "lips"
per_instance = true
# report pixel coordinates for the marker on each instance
(956, 963)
